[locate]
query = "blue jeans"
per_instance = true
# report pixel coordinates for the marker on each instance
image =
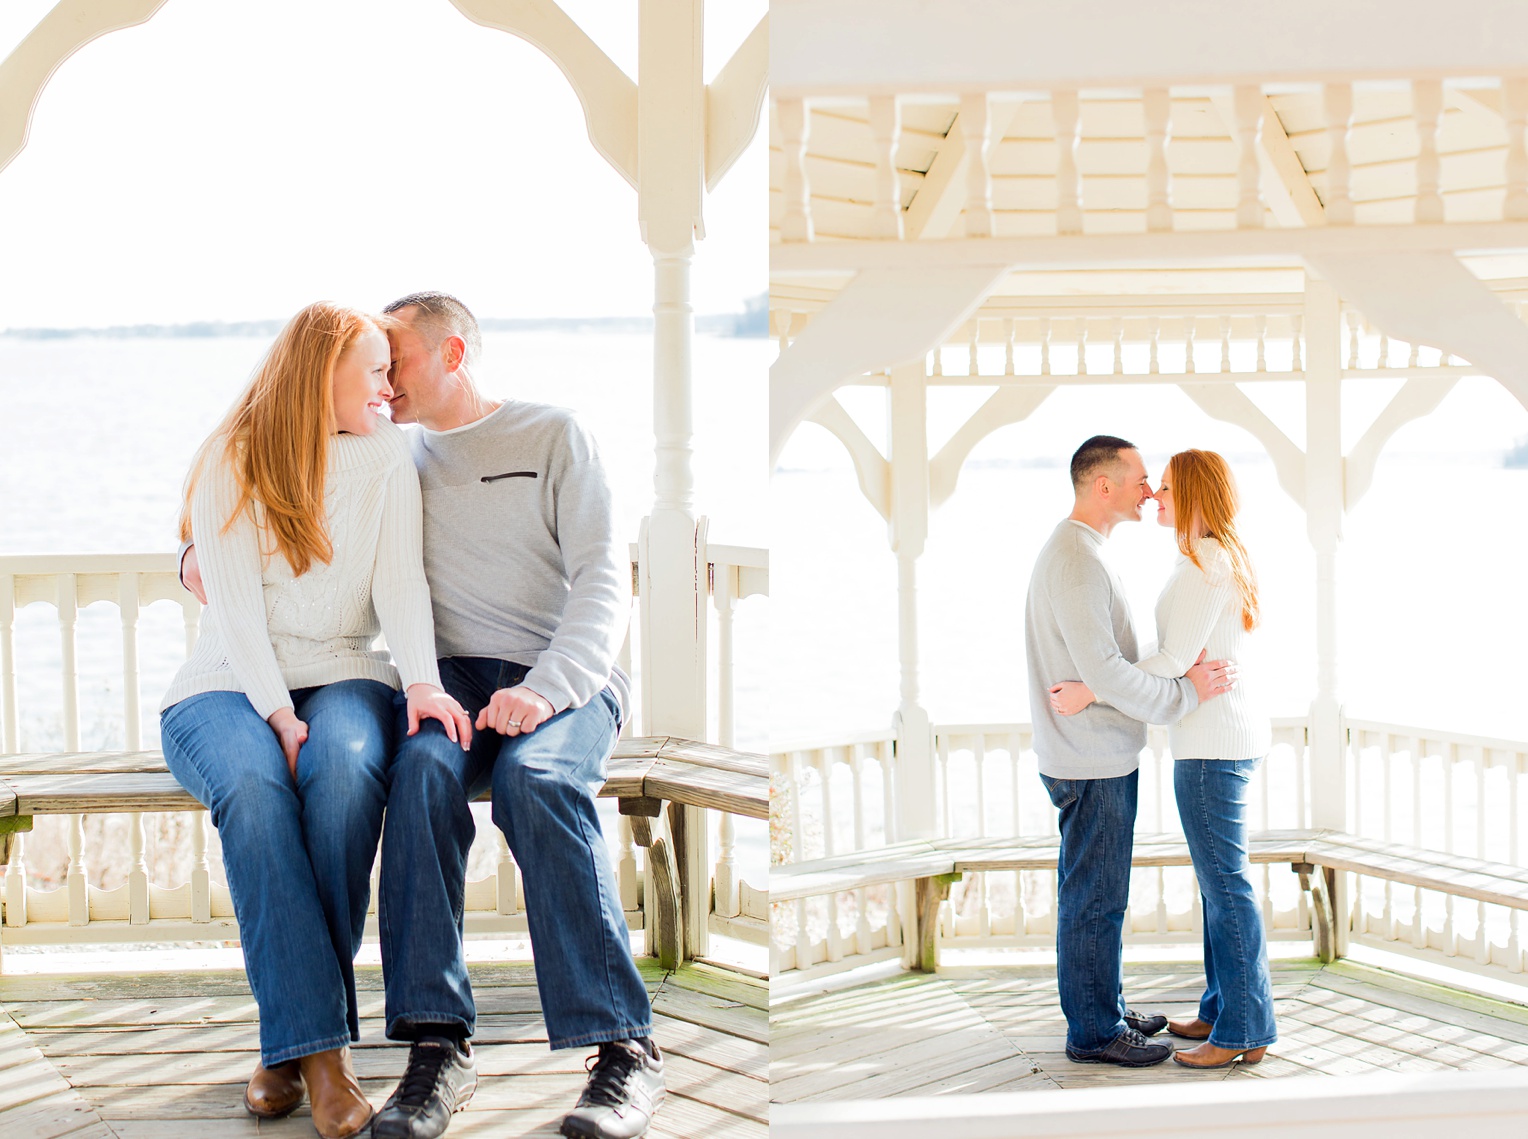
(1238, 995)
(298, 854)
(543, 800)
(1092, 895)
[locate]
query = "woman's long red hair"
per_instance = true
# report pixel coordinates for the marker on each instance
(276, 435)
(1203, 488)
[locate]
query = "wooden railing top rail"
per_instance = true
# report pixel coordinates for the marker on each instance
(644, 767)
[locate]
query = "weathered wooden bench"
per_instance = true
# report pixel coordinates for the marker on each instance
(645, 773)
(1316, 855)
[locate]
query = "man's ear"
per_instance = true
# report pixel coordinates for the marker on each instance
(1101, 486)
(453, 352)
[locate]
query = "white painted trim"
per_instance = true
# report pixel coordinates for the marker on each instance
(1384, 1105)
(1419, 397)
(734, 102)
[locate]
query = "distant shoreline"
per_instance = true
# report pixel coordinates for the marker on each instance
(743, 324)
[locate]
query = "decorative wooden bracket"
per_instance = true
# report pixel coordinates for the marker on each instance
(669, 931)
(1322, 886)
(929, 896)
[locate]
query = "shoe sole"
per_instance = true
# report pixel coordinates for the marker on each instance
(282, 1114)
(1237, 1059)
(1117, 1063)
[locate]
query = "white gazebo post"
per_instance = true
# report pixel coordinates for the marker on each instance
(907, 406)
(1324, 505)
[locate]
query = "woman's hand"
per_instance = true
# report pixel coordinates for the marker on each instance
(291, 732)
(515, 711)
(1070, 697)
(426, 702)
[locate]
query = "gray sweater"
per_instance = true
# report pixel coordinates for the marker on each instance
(521, 552)
(1077, 627)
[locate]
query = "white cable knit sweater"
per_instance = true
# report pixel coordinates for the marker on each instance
(265, 631)
(1201, 610)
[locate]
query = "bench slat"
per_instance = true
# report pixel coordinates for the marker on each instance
(731, 791)
(896, 863)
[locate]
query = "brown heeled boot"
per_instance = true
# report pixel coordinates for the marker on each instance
(340, 1108)
(1208, 1055)
(1194, 1029)
(274, 1092)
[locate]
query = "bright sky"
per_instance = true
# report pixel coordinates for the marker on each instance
(232, 162)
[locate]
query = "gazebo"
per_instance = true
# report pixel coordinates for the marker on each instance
(672, 137)
(1018, 198)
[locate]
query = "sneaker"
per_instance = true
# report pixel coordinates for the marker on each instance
(625, 1090)
(1146, 1025)
(1129, 1050)
(438, 1082)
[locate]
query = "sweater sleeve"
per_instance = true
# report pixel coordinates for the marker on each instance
(399, 591)
(1196, 601)
(577, 662)
(231, 571)
(1082, 616)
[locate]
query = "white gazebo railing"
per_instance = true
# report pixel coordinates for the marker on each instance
(198, 907)
(1456, 794)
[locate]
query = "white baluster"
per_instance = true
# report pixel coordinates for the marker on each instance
(626, 866)
(1119, 346)
(1009, 334)
(1045, 343)
(1082, 346)
(1384, 350)
(1156, 335)
(68, 616)
(727, 903)
(75, 878)
(975, 129)
(972, 367)
(1297, 343)
(505, 894)
(1414, 358)
(795, 125)
(938, 368)
(1157, 105)
(1262, 343)
(1354, 320)
(11, 741)
(1427, 106)
(1514, 97)
(138, 873)
(885, 126)
(1387, 817)
(823, 762)
(1482, 943)
(1450, 934)
(1225, 343)
(1418, 925)
(1248, 103)
(128, 602)
(201, 870)
(1068, 182)
(1339, 124)
(1188, 347)
(16, 883)
(861, 910)
(1515, 779)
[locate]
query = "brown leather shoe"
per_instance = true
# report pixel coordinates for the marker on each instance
(274, 1092)
(340, 1108)
(1194, 1029)
(1209, 1056)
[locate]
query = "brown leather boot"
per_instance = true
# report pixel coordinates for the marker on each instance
(1194, 1029)
(274, 1092)
(340, 1108)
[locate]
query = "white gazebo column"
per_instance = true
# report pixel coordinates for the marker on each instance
(670, 177)
(908, 418)
(1324, 512)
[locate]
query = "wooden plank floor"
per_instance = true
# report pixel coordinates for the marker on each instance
(165, 1056)
(1001, 1029)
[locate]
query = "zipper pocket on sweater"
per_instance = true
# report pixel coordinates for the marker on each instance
(510, 475)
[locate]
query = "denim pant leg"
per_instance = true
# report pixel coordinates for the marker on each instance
(342, 784)
(425, 843)
(1212, 802)
(222, 752)
(543, 801)
(1093, 892)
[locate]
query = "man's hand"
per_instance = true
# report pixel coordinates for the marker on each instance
(426, 702)
(191, 575)
(1212, 678)
(514, 711)
(292, 734)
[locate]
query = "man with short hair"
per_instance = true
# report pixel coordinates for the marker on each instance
(531, 591)
(1077, 626)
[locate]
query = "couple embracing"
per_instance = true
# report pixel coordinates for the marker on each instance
(1092, 693)
(482, 546)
